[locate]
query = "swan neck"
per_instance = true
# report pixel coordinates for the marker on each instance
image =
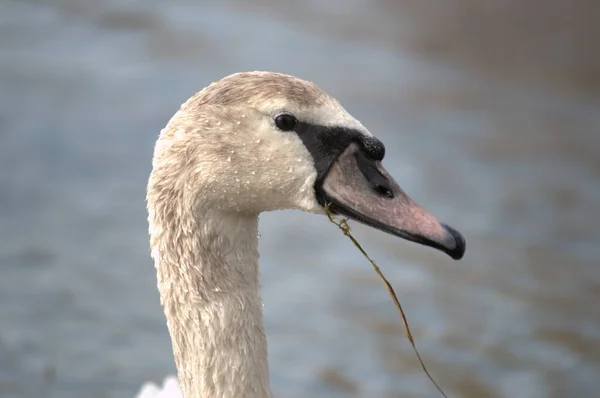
(208, 278)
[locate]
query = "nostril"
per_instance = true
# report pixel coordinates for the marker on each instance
(377, 181)
(383, 190)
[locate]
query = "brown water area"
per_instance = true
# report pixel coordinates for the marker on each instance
(490, 113)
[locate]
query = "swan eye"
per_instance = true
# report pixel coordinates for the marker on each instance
(285, 122)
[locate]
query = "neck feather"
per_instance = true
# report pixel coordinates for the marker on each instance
(208, 278)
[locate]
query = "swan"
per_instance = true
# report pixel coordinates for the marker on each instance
(249, 143)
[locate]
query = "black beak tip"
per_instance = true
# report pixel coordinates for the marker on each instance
(457, 245)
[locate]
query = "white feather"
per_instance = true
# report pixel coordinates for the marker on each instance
(169, 389)
(217, 165)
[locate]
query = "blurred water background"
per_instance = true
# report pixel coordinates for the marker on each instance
(490, 111)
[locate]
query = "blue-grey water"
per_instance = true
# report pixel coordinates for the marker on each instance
(85, 87)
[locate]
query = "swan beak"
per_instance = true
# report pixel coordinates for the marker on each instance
(360, 188)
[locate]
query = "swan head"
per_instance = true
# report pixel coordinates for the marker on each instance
(262, 141)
